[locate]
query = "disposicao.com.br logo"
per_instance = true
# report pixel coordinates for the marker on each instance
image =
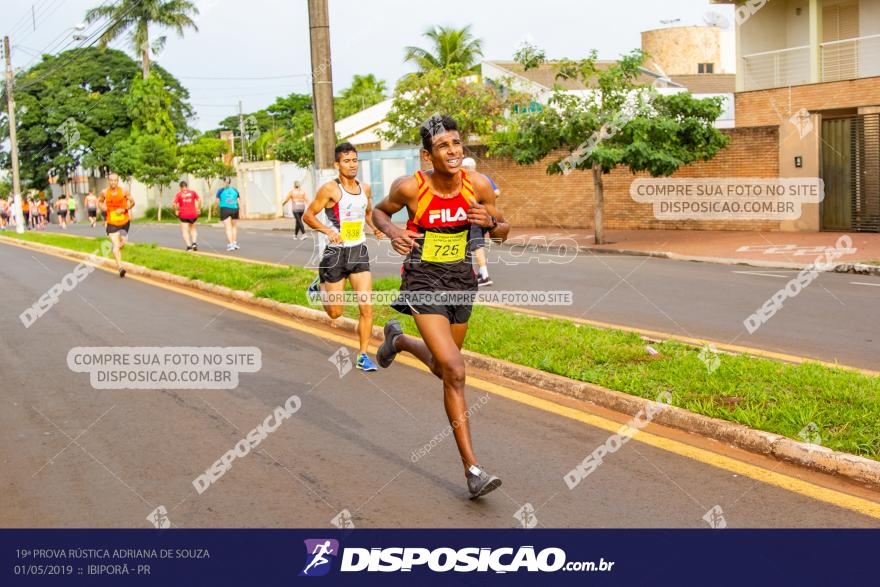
(443, 560)
(320, 554)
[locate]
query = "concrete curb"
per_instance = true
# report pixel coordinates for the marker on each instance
(858, 469)
(859, 268)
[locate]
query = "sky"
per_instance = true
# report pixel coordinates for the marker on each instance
(239, 40)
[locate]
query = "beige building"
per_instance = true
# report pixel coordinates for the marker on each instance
(690, 50)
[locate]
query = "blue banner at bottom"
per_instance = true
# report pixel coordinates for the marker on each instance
(433, 557)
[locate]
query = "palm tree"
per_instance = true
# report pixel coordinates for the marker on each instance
(364, 91)
(136, 16)
(451, 46)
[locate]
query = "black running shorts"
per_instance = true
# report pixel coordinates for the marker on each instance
(228, 213)
(111, 228)
(338, 263)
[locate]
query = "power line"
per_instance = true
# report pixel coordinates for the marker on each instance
(52, 48)
(73, 55)
(37, 15)
(245, 78)
(23, 21)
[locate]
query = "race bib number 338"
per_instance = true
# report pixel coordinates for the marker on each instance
(444, 247)
(352, 230)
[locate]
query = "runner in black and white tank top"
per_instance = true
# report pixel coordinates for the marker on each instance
(348, 215)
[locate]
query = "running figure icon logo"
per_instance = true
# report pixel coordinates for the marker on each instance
(319, 556)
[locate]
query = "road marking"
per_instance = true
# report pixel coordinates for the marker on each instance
(863, 283)
(791, 484)
(760, 274)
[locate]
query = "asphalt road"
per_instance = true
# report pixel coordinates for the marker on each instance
(834, 319)
(74, 456)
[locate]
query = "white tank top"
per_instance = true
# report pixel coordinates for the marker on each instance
(348, 216)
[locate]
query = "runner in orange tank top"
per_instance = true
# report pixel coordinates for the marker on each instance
(115, 202)
(442, 206)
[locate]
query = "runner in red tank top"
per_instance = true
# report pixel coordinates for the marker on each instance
(187, 205)
(442, 206)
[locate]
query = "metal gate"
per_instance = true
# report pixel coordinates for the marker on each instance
(851, 170)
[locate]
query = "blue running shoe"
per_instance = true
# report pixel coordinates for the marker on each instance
(314, 292)
(365, 364)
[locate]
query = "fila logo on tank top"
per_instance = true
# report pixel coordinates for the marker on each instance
(444, 223)
(348, 215)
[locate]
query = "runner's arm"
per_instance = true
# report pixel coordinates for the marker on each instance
(403, 191)
(322, 198)
(369, 218)
(481, 212)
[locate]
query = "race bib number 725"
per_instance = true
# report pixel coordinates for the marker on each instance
(441, 247)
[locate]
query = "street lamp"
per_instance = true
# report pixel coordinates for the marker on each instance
(79, 28)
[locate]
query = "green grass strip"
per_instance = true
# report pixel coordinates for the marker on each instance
(760, 393)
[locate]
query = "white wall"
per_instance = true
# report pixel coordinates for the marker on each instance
(869, 18)
(728, 51)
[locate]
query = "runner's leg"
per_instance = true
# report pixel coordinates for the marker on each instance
(184, 231)
(440, 350)
(227, 226)
(334, 308)
(362, 283)
(300, 227)
(116, 239)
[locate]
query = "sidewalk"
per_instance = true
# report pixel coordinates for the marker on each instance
(786, 250)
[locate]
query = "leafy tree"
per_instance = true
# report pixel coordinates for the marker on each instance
(72, 108)
(124, 161)
(298, 144)
(137, 16)
(204, 158)
(148, 106)
(284, 129)
(450, 46)
(364, 91)
(478, 108)
(155, 164)
(618, 123)
(5, 187)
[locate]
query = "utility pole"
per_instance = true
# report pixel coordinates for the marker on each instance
(13, 142)
(241, 131)
(322, 87)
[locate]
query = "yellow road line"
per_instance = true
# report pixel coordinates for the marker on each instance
(794, 485)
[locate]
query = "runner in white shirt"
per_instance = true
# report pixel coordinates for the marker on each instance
(348, 208)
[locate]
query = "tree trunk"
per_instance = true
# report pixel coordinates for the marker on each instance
(207, 196)
(145, 59)
(159, 214)
(598, 204)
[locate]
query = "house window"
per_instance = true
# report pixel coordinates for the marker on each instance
(705, 68)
